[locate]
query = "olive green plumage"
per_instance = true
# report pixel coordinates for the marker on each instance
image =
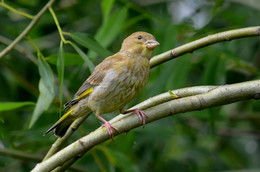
(114, 82)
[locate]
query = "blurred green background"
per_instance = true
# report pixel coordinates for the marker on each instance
(225, 138)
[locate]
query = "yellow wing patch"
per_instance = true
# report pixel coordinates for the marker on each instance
(66, 115)
(85, 93)
(59, 121)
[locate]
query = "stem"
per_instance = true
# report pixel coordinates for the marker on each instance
(16, 11)
(27, 29)
(58, 25)
(20, 49)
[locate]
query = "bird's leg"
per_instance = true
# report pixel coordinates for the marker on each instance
(141, 114)
(108, 126)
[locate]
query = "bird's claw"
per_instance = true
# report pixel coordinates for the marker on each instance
(141, 114)
(109, 129)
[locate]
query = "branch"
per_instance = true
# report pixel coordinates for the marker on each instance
(20, 49)
(30, 157)
(165, 97)
(203, 42)
(57, 145)
(27, 29)
(220, 95)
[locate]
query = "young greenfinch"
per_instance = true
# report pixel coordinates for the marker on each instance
(114, 82)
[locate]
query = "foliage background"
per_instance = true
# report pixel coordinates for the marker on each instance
(216, 139)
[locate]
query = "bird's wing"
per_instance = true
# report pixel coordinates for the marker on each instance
(112, 62)
(83, 92)
(94, 79)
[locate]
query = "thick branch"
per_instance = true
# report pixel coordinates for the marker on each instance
(60, 141)
(200, 43)
(165, 97)
(57, 145)
(30, 157)
(27, 29)
(214, 97)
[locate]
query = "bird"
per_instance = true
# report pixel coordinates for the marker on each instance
(113, 83)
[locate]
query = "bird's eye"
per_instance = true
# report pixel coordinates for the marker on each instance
(139, 37)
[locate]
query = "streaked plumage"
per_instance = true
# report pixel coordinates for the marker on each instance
(114, 82)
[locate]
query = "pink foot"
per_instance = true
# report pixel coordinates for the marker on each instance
(141, 114)
(109, 129)
(108, 126)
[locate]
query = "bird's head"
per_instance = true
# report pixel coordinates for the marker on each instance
(139, 43)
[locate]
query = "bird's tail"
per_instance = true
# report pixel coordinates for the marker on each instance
(62, 125)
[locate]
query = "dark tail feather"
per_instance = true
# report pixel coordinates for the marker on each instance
(60, 127)
(62, 124)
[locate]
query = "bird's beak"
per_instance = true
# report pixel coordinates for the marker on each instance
(151, 44)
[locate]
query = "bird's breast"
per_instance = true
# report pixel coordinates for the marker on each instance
(119, 86)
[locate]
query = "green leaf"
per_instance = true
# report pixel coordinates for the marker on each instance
(173, 95)
(88, 62)
(70, 59)
(113, 27)
(5, 106)
(46, 87)
(106, 6)
(60, 70)
(89, 42)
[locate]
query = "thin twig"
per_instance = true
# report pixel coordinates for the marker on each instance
(16, 11)
(27, 29)
(58, 25)
(203, 42)
(20, 49)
